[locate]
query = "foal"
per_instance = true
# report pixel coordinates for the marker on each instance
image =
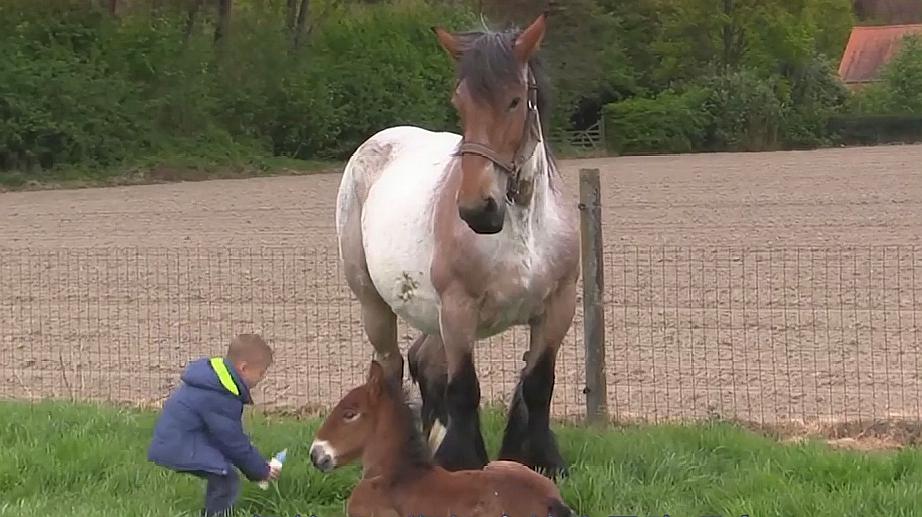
(374, 424)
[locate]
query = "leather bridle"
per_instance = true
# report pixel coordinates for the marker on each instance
(530, 139)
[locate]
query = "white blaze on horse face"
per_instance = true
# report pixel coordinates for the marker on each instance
(323, 455)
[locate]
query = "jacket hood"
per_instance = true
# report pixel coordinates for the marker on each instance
(201, 374)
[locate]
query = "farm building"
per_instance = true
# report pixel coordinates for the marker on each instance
(869, 49)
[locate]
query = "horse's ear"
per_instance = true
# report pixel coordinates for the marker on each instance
(530, 38)
(448, 41)
(375, 376)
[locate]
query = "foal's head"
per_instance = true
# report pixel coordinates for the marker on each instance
(353, 426)
(496, 99)
(348, 428)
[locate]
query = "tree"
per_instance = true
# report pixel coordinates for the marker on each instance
(584, 51)
(889, 11)
(222, 28)
(301, 23)
(774, 36)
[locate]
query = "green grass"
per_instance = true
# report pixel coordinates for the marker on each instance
(65, 460)
(176, 166)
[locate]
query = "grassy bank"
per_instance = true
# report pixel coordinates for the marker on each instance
(58, 459)
(168, 169)
(162, 171)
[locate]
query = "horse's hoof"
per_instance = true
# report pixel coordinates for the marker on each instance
(553, 472)
(548, 462)
(562, 472)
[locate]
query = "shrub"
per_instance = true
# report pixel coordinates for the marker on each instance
(745, 112)
(877, 129)
(737, 111)
(671, 122)
(383, 68)
(814, 94)
(58, 101)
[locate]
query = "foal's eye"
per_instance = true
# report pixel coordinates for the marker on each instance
(515, 103)
(350, 415)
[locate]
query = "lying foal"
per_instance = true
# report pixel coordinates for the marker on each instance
(374, 424)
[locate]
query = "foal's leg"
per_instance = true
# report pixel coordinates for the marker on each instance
(368, 500)
(463, 447)
(428, 368)
(528, 438)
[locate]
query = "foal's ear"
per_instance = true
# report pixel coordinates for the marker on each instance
(530, 38)
(448, 41)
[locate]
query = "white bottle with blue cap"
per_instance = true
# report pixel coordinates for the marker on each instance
(277, 462)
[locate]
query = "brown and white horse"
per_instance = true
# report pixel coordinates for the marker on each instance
(372, 424)
(464, 236)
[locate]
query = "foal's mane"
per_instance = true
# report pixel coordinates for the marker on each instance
(489, 66)
(413, 453)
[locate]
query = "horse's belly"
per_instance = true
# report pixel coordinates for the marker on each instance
(398, 252)
(517, 305)
(400, 272)
(398, 237)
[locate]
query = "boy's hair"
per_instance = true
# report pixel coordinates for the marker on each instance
(249, 347)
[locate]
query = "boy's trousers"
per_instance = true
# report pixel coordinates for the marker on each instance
(220, 493)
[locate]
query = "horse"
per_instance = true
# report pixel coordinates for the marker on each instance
(464, 236)
(374, 424)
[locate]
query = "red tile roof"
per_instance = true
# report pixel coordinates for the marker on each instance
(869, 48)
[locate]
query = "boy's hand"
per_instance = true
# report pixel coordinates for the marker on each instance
(274, 472)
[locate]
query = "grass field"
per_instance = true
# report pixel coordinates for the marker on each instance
(67, 460)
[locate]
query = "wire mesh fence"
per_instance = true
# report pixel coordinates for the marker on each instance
(764, 335)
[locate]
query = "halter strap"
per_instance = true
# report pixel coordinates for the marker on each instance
(525, 151)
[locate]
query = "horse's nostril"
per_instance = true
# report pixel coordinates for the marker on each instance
(490, 206)
(321, 459)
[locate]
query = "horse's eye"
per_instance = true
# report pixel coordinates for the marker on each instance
(350, 415)
(515, 103)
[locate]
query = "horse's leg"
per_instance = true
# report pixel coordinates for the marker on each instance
(516, 433)
(380, 324)
(462, 447)
(426, 358)
(528, 437)
(378, 320)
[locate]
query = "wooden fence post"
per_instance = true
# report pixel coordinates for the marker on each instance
(590, 207)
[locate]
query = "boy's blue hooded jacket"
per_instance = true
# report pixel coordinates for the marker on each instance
(201, 428)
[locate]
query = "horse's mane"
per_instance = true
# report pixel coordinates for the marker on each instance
(414, 452)
(489, 66)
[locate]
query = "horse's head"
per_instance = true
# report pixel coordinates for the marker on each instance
(496, 100)
(351, 425)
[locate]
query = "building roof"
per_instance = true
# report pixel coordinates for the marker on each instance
(869, 48)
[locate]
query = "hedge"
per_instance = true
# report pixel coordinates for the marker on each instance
(876, 129)
(80, 88)
(669, 123)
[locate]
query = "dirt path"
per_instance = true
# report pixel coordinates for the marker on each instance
(711, 309)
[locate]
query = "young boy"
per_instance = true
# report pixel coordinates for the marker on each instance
(200, 431)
